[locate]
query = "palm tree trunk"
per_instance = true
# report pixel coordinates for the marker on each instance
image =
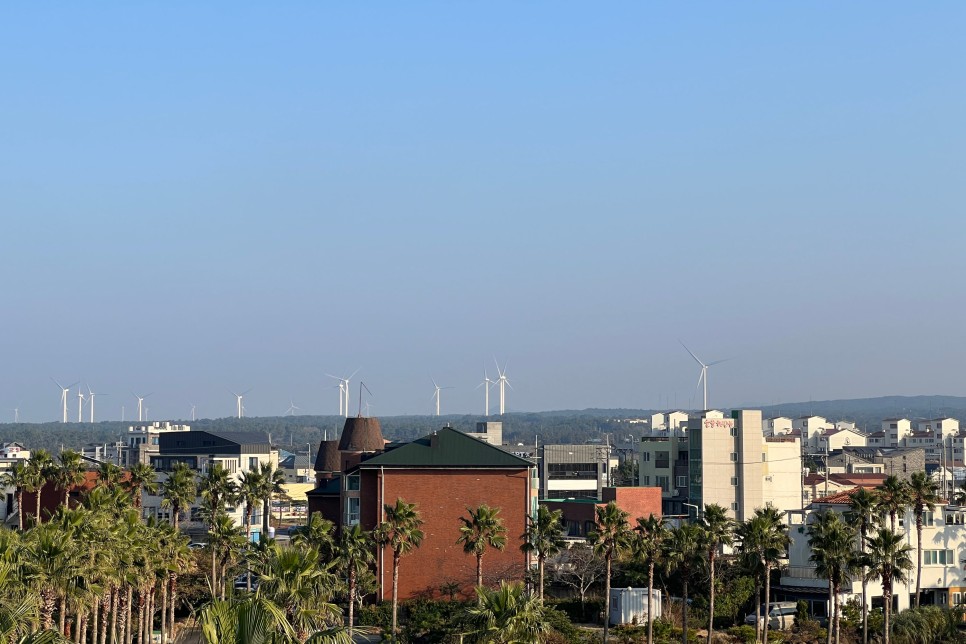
(266, 508)
(81, 635)
(767, 600)
(115, 613)
(607, 599)
(94, 612)
(540, 559)
(172, 598)
(128, 613)
(105, 615)
(865, 598)
(757, 612)
(352, 598)
(838, 616)
(395, 590)
(20, 509)
(650, 603)
(149, 615)
(214, 574)
(479, 570)
(711, 597)
(918, 555)
(164, 611)
(887, 612)
(831, 613)
(62, 617)
(684, 614)
(39, 490)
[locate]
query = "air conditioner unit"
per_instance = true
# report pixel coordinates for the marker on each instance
(768, 478)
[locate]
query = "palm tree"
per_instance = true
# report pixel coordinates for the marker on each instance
(862, 513)
(832, 542)
(20, 478)
(249, 494)
(684, 555)
(141, 477)
(354, 553)
(893, 498)
(179, 491)
(109, 475)
(272, 481)
(648, 544)
(610, 539)
(923, 495)
(401, 533)
(41, 463)
(482, 529)
(226, 542)
(544, 537)
(718, 532)
(763, 540)
(253, 620)
(318, 534)
(507, 615)
(888, 560)
(68, 473)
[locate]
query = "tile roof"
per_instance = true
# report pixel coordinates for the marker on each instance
(446, 447)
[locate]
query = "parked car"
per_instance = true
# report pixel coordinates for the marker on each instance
(197, 545)
(780, 615)
(241, 582)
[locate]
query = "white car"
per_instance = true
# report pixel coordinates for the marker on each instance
(780, 615)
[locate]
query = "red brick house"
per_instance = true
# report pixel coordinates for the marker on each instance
(443, 474)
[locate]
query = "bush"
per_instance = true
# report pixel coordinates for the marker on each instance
(744, 633)
(586, 613)
(379, 615)
(432, 622)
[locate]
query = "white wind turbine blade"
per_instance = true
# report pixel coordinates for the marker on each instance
(696, 358)
(719, 361)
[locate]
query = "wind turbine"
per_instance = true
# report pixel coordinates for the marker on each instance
(362, 386)
(436, 394)
(703, 377)
(486, 384)
(140, 405)
(291, 408)
(344, 393)
(80, 405)
(503, 382)
(90, 400)
(63, 396)
(193, 413)
(16, 414)
(239, 397)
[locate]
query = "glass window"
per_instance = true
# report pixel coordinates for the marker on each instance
(734, 457)
(352, 482)
(663, 482)
(682, 481)
(352, 511)
(734, 481)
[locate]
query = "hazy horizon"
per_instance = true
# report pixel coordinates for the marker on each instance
(206, 199)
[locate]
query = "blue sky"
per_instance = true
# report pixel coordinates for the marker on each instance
(200, 199)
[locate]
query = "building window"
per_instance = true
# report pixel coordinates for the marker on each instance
(937, 558)
(764, 457)
(734, 457)
(734, 432)
(663, 482)
(352, 482)
(646, 480)
(734, 506)
(645, 457)
(957, 599)
(682, 481)
(252, 463)
(352, 511)
(928, 519)
(734, 481)
(662, 459)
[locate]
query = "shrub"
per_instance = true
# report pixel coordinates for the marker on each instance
(743, 633)
(586, 613)
(379, 615)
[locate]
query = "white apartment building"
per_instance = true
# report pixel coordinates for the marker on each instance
(10, 455)
(777, 426)
(727, 461)
(142, 440)
(670, 421)
(834, 439)
(236, 452)
(943, 575)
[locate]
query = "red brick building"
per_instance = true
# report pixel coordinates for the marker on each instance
(579, 515)
(443, 474)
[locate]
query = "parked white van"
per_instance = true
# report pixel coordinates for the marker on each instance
(781, 615)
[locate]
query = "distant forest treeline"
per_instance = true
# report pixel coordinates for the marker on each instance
(565, 426)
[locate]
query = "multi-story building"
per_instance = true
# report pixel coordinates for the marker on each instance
(143, 440)
(490, 431)
(10, 455)
(575, 471)
(105, 452)
(943, 576)
(902, 462)
(236, 452)
(777, 426)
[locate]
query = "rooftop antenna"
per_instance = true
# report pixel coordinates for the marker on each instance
(486, 384)
(436, 394)
(63, 396)
(362, 386)
(503, 383)
(703, 378)
(238, 400)
(90, 400)
(141, 410)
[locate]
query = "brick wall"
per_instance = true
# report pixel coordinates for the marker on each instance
(441, 497)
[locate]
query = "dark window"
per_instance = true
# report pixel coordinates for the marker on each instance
(662, 459)
(572, 470)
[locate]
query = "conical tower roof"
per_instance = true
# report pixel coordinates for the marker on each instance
(328, 459)
(362, 435)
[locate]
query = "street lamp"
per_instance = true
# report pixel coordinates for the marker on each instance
(697, 509)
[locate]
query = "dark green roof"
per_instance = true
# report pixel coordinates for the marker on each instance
(446, 448)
